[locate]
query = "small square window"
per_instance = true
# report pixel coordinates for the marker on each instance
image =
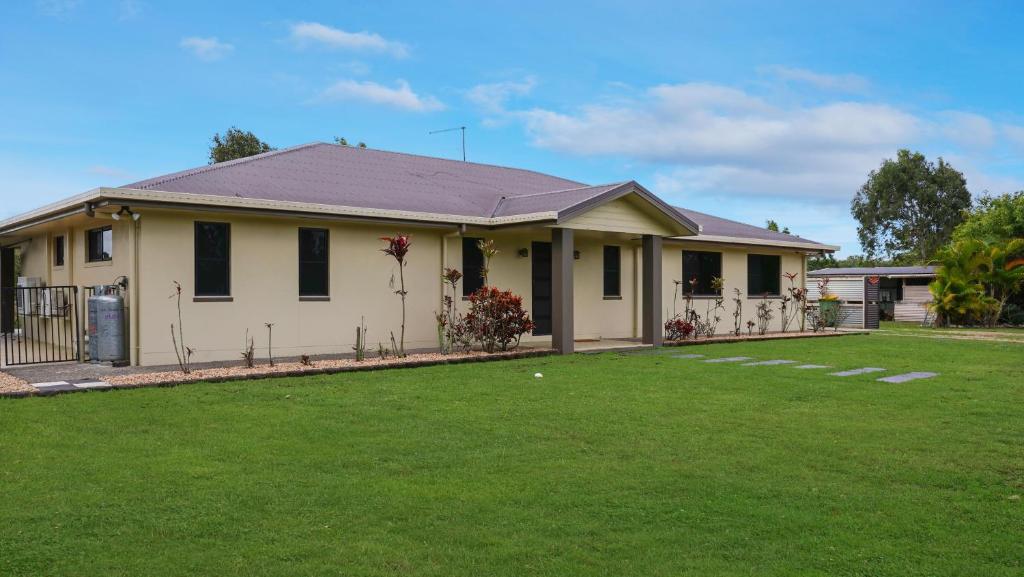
(700, 269)
(472, 265)
(100, 244)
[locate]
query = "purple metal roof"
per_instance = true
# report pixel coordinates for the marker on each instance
(329, 174)
(874, 271)
(717, 226)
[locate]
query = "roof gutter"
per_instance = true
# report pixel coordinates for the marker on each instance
(801, 245)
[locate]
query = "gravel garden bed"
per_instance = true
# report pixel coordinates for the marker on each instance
(326, 366)
(12, 384)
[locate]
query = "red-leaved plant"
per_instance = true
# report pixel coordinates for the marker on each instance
(398, 247)
(677, 329)
(496, 319)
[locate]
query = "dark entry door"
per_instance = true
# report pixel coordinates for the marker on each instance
(7, 281)
(541, 288)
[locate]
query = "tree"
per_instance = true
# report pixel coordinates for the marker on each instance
(994, 219)
(342, 141)
(909, 207)
(853, 261)
(975, 279)
(236, 144)
(774, 226)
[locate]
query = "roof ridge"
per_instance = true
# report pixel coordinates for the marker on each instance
(234, 162)
(462, 162)
(561, 190)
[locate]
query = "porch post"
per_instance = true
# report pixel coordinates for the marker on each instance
(562, 331)
(652, 330)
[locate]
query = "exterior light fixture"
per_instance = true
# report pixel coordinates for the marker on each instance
(576, 255)
(523, 253)
(125, 211)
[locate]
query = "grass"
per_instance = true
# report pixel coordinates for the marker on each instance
(916, 328)
(613, 464)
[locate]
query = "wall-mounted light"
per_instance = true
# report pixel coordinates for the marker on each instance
(523, 253)
(125, 211)
(576, 255)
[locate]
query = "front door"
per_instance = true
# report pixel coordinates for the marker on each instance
(541, 288)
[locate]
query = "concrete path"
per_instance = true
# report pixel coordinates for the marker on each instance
(812, 367)
(907, 377)
(728, 360)
(768, 363)
(853, 372)
(54, 387)
(692, 356)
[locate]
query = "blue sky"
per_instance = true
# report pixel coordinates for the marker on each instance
(749, 110)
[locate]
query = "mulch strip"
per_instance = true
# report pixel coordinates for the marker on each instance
(321, 367)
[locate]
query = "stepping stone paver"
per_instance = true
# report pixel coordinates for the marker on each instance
(691, 356)
(768, 363)
(860, 371)
(812, 367)
(728, 360)
(92, 385)
(908, 377)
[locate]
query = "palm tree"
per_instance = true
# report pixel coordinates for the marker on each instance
(958, 291)
(1001, 275)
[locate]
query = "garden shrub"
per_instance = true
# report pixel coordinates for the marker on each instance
(678, 329)
(496, 319)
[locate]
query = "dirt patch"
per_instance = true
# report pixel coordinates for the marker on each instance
(316, 367)
(12, 384)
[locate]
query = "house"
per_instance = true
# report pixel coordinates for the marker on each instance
(870, 294)
(292, 237)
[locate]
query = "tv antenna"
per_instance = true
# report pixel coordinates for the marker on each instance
(463, 129)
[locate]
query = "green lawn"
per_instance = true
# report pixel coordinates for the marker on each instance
(615, 464)
(998, 332)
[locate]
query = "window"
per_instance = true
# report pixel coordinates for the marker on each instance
(314, 278)
(213, 259)
(58, 250)
(99, 244)
(472, 266)
(763, 275)
(703, 266)
(612, 271)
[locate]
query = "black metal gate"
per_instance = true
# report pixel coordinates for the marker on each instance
(45, 327)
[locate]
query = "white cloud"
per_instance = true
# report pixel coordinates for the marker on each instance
(721, 138)
(968, 129)
(835, 82)
(1014, 134)
(493, 97)
(402, 96)
(129, 9)
(57, 8)
(208, 49)
(304, 33)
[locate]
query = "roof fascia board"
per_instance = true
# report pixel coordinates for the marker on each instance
(757, 242)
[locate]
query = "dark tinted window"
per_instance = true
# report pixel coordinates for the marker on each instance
(704, 267)
(612, 271)
(472, 266)
(99, 244)
(763, 274)
(58, 251)
(213, 259)
(314, 277)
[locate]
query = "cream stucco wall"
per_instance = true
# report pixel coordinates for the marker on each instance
(264, 279)
(734, 275)
(264, 288)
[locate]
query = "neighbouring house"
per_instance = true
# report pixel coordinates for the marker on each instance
(870, 294)
(292, 237)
